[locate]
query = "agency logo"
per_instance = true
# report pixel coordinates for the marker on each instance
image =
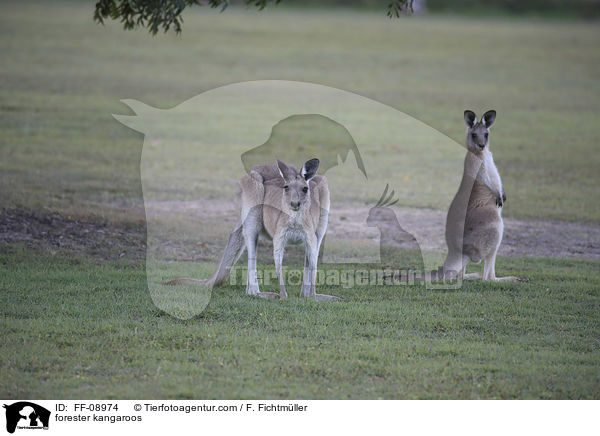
(26, 415)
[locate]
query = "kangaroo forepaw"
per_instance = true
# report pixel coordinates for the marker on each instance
(501, 199)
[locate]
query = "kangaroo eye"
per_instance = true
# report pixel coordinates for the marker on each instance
(305, 189)
(473, 135)
(486, 135)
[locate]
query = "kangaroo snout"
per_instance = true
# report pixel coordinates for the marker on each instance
(295, 205)
(481, 146)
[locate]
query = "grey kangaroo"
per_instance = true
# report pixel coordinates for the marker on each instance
(287, 205)
(476, 235)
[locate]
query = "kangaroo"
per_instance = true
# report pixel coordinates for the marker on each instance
(476, 235)
(287, 205)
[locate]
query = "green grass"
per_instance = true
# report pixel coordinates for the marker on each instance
(62, 76)
(73, 328)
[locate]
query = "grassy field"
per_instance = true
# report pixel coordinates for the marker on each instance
(62, 76)
(81, 330)
(80, 323)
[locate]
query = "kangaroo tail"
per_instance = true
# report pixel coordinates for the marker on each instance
(234, 249)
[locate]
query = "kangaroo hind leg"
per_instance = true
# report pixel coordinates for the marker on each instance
(489, 271)
(278, 250)
(310, 274)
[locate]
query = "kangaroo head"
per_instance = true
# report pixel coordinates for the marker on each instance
(478, 132)
(381, 213)
(296, 192)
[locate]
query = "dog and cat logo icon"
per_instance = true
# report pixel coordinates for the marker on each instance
(26, 415)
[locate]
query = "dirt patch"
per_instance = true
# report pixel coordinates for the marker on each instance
(53, 232)
(521, 238)
(550, 239)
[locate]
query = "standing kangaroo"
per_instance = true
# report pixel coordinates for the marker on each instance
(287, 205)
(477, 234)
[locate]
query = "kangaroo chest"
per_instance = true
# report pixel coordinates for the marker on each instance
(295, 231)
(292, 228)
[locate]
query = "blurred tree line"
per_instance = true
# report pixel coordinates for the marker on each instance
(568, 8)
(167, 14)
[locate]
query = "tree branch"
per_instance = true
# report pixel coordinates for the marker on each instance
(166, 14)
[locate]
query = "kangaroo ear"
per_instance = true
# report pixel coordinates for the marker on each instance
(284, 170)
(470, 118)
(488, 118)
(310, 169)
